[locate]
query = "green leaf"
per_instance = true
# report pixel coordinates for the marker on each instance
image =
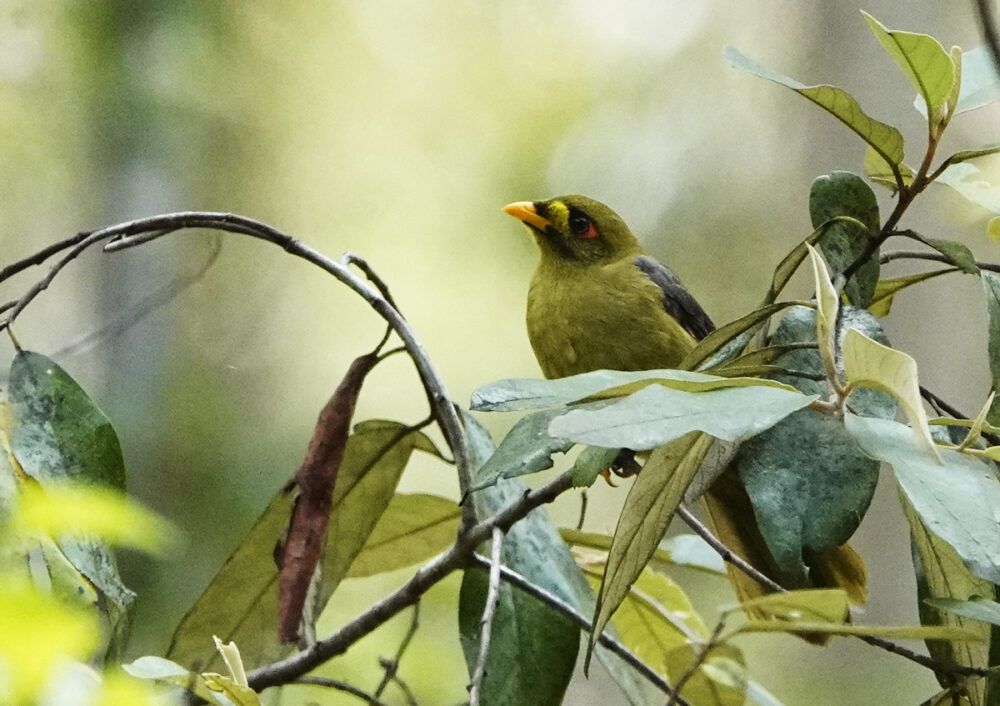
(413, 528)
(532, 548)
(680, 550)
(879, 171)
(993, 229)
(941, 574)
(958, 254)
(886, 289)
(974, 608)
(718, 339)
(167, 672)
(886, 140)
(648, 509)
(532, 649)
(828, 605)
(241, 602)
(955, 497)
(871, 364)
(527, 448)
(846, 194)
(522, 394)
(57, 432)
(980, 82)
(589, 464)
(991, 288)
(966, 179)
(922, 59)
(827, 304)
(966, 155)
(657, 415)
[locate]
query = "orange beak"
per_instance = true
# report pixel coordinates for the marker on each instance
(525, 211)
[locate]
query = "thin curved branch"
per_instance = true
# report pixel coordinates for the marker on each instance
(143, 230)
(489, 611)
(343, 686)
(932, 256)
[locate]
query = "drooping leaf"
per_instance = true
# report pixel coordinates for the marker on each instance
(956, 497)
(886, 140)
(922, 59)
(532, 649)
(809, 483)
(657, 415)
(869, 363)
(966, 179)
(315, 479)
(991, 288)
(957, 253)
(648, 509)
(828, 605)
(413, 528)
(966, 155)
(241, 602)
(941, 575)
(980, 82)
(846, 194)
(527, 448)
(975, 608)
(886, 289)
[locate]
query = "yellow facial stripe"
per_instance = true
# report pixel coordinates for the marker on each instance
(558, 214)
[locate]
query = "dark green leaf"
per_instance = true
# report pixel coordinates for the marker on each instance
(846, 194)
(532, 649)
(57, 432)
(589, 464)
(885, 139)
(958, 254)
(241, 602)
(657, 415)
(956, 498)
(809, 483)
(534, 549)
(527, 448)
(717, 339)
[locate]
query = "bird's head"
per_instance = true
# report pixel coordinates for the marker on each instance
(576, 230)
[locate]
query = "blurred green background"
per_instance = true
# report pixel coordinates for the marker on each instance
(397, 130)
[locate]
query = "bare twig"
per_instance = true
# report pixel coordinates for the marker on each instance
(604, 639)
(458, 555)
(391, 666)
(933, 257)
(987, 25)
(42, 255)
(489, 611)
(143, 230)
(727, 555)
(341, 686)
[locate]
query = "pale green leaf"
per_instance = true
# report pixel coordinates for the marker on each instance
(980, 82)
(527, 448)
(966, 179)
(886, 140)
(922, 59)
(827, 303)
(718, 339)
(680, 550)
(975, 608)
(886, 289)
(871, 364)
(993, 229)
(656, 415)
(828, 605)
(413, 528)
(590, 463)
(644, 519)
(879, 171)
(892, 632)
(956, 497)
(991, 290)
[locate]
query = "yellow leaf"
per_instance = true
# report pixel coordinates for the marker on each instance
(870, 364)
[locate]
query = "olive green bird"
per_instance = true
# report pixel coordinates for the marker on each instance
(596, 301)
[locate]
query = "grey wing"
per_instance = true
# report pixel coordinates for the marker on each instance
(676, 299)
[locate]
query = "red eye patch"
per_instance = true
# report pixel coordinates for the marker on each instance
(591, 232)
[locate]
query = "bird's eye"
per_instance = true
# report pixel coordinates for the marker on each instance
(580, 225)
